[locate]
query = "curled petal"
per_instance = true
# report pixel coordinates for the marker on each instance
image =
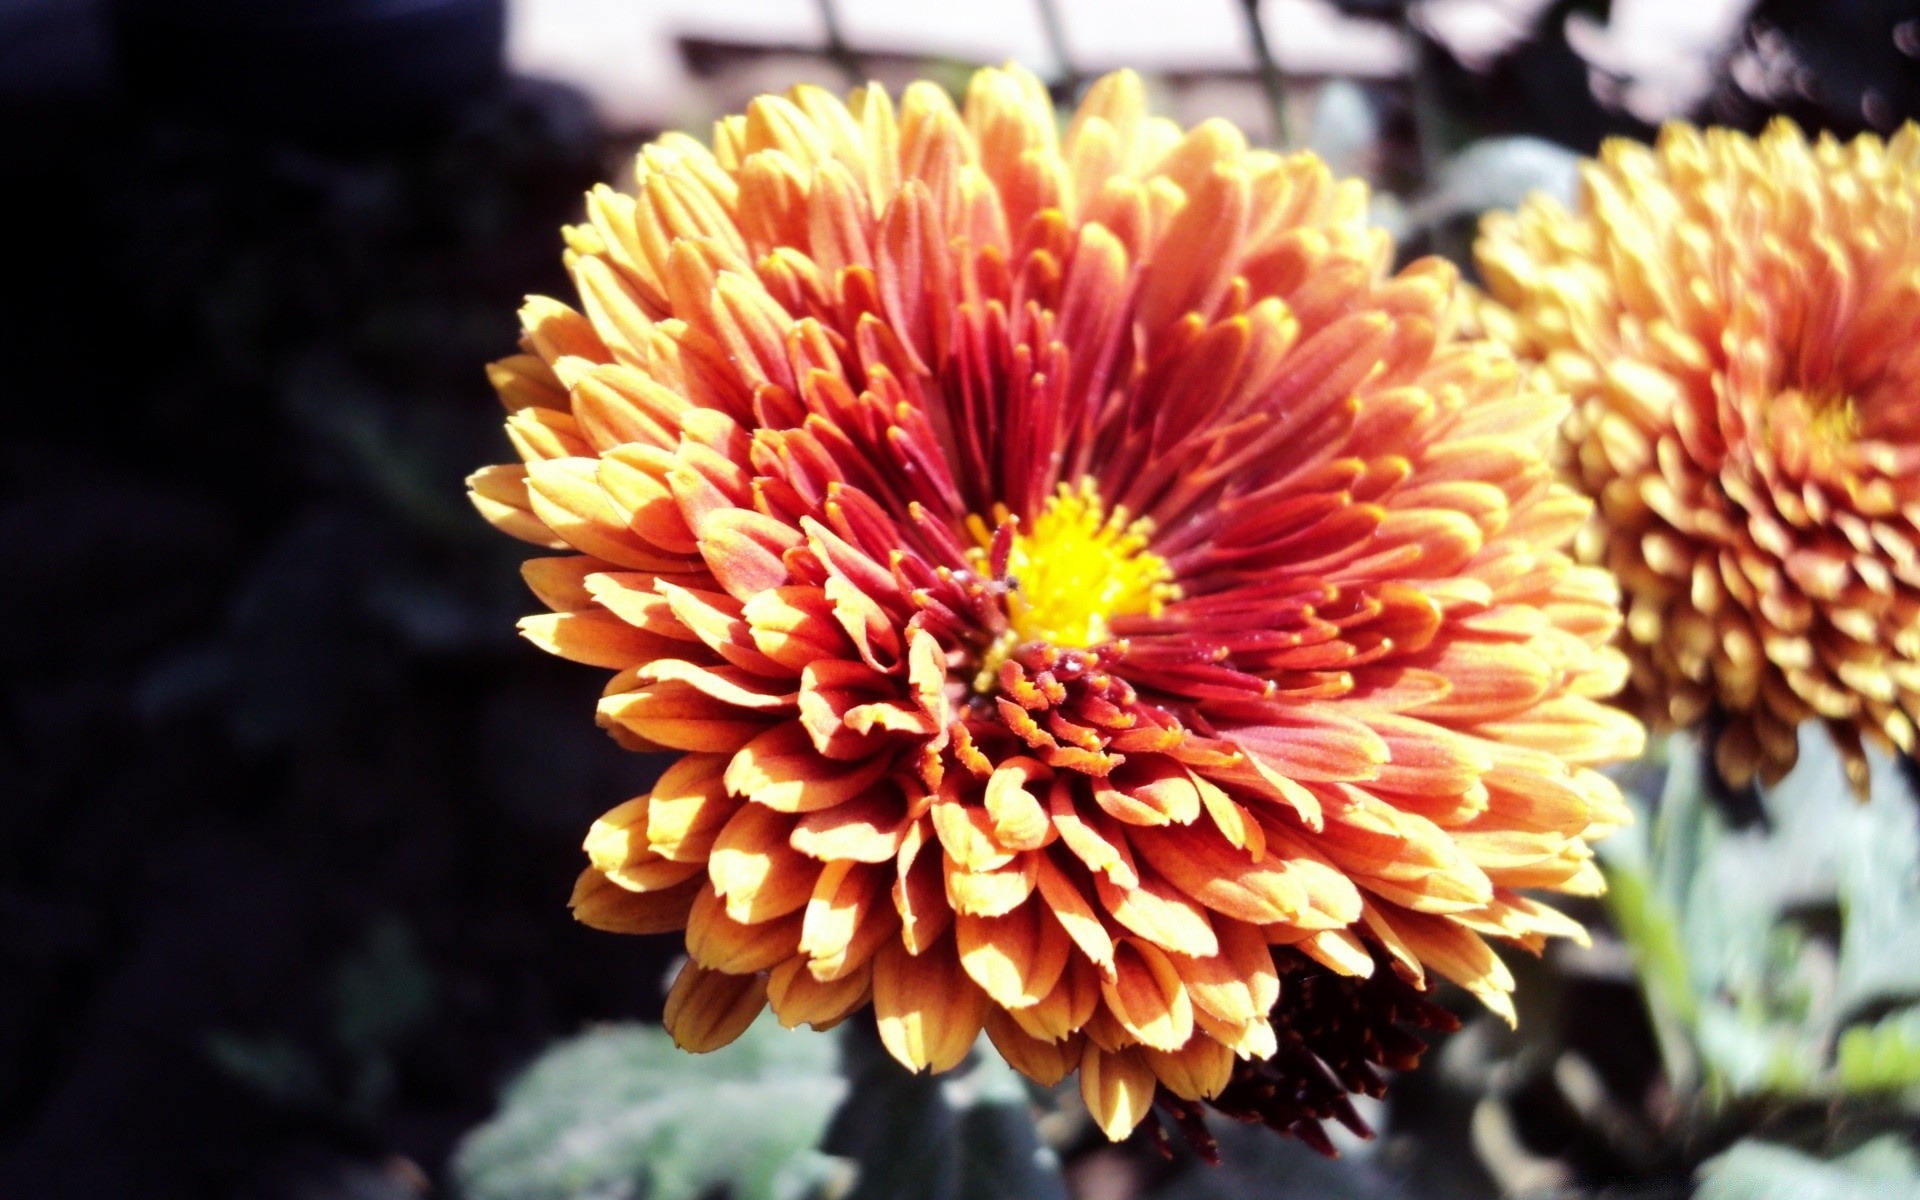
(708, 1009)
(929, 1012)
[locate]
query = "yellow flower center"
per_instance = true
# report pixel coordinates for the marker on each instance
(1834, 416)
(1075, 568)
(1810, 430)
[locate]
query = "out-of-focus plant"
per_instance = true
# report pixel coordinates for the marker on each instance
(621, 1111)
(1780, 956)
(381, 994)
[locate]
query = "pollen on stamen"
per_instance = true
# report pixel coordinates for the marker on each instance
(1072, 571)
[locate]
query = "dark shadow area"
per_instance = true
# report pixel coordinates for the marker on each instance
(289, 812)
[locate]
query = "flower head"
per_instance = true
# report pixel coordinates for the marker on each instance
(1738, 321)
(1074, 571)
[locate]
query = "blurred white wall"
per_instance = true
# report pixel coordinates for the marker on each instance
(624, 53)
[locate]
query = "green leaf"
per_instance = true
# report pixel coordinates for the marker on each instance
(1652, 927)
(382, 991)
(621, 1113)
(1761, 947)
(1879, 885)
(275, 1067)
(1882, 1057)
(1650, 865)
(967, 1135)
(1883, 1169)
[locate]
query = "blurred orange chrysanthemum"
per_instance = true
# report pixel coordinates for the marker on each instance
(1738, 322)
(1076, 574)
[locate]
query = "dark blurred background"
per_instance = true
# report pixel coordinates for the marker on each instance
(288, 815)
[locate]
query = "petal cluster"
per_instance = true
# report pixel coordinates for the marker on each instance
(1074, 571)
(1738, 322)
(1337, 1034)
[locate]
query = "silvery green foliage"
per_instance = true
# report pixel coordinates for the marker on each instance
(1497, 173)
(1882, 1169)
(1782, 958)
(621, 1113)
(381, 993)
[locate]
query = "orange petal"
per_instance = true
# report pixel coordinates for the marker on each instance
(1200, 252)
(637, 480)
(1237, 985)
(619, 405)
(794, 626)
(1231, 818)
(603, 904)
(1092, 837)
(676, 714)
(596, 638)
(781, 770)
(500, 495)
(565, 493)
(756, 871)
(1017, 958)
(966, 834)
(1074, 1001)
(1199, 1070)
(1019, 821)
(838, 707)
(1200, 863)
(715, 618)
(1045, 1062)
(708, 1009)
(1247, 1039)
(847, 919)
(726, 684)
(560, 581)
(861, 616)
(1161, 914)
(1075, 913)
(869, 828)
(631, 596)
(990, 893)
(1338, 950)
(799, 997)
(557, 331)
(1331, 899)
(1117, 1088)
(718, 941)
(689, 806)
(1402, 855)
(744, 551)
(617, 846)
(543, 435)
(1457, 954)
(1152, 790)
(919, 891)
(929, 1012)
(1147, 997)
(524, 381)
(1319, 747)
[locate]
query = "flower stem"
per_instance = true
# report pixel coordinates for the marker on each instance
(837, 48)
(1272, 80)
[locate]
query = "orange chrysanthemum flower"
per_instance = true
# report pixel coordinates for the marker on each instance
(1738, 321)
(1072, 568)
